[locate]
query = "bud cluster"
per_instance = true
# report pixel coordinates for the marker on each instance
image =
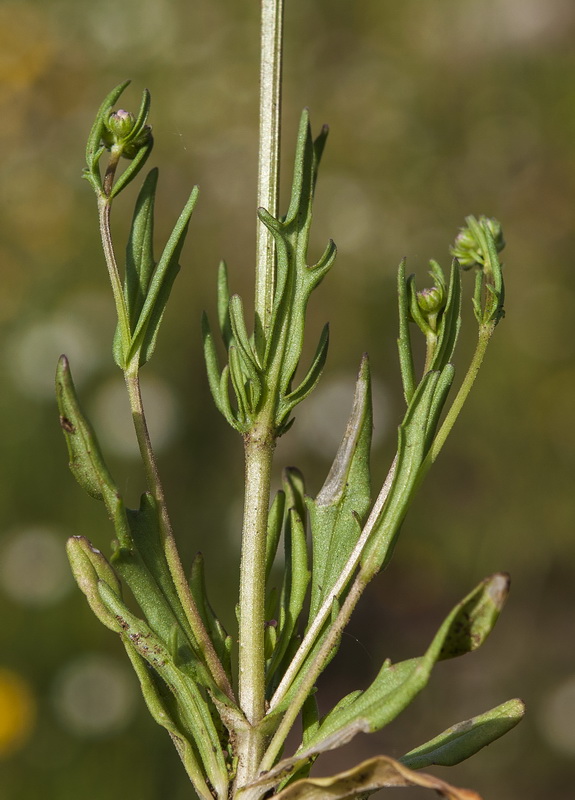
(469, 250)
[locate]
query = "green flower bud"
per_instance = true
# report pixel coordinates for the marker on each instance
(120, 123)
(120, 133)
(468, 248)
(90, 568)
(431, 301)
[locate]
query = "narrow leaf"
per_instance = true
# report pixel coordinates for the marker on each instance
(465, 628)
(275, 521)
(296, 579)
(158, 292)
(156, 703)
(344, 497)
(466, 738)
(86, 461)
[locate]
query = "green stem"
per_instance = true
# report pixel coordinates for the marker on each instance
(312, 674)
(269, 150)
(259, 447)
(170, 550)
(485, 333)
(104, 211)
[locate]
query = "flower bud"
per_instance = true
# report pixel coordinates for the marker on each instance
(120, 123)
(431, 301)
(468, 248)
(119, 132)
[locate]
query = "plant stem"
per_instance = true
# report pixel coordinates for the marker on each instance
(485, 333)
(104, 211)
(313, 673)
(259, 447)
(324, 612)
(170, 550)
(269, 152)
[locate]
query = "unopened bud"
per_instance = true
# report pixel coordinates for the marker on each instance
(468, 248)
(431, 301)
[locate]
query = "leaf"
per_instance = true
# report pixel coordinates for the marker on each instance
(223, 304)
(414, 438)
(94, 149)
(404, 340)
(86, 461)
(156, 703)
(275, 521)
(89, 567)
(296, 579)
(193, 710)
(312, 377)
(344, 498)
(362, 780)
(133, 168)
(140, 262)
(216, 631)
(450, 321)
(146, 329)
(394, 688)
(466, 738)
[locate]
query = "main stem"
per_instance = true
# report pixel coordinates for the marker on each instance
(269, 155)
(260, 440)
(259, 447)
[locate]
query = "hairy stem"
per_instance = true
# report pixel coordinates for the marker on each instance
(170, 550)
(259, 447)
(269, 150)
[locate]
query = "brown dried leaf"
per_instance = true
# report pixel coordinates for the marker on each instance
(376, 773)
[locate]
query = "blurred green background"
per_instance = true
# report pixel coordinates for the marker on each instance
(436, 110)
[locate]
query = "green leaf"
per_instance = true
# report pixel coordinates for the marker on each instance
(414, 439)
(193, 711)
(89, 567)
(212, 363)
(449, 322)
(248, 357)
(275, 521)
(312, 377)
(94, 147)
(216, 631)
(132, 169)
(156, 702)
(466, 738)
(223, 304)
(296, 580)
(396, 685)
(146, 329)
(404, 340)
(344, 498)
(140, 263)
(86, 461)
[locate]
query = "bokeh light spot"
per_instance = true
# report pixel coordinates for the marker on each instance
(112, 419)
(94, 696)
(17, 712)
(557, 717)
(34, 570)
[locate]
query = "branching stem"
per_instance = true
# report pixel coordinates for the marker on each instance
(170, 550)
